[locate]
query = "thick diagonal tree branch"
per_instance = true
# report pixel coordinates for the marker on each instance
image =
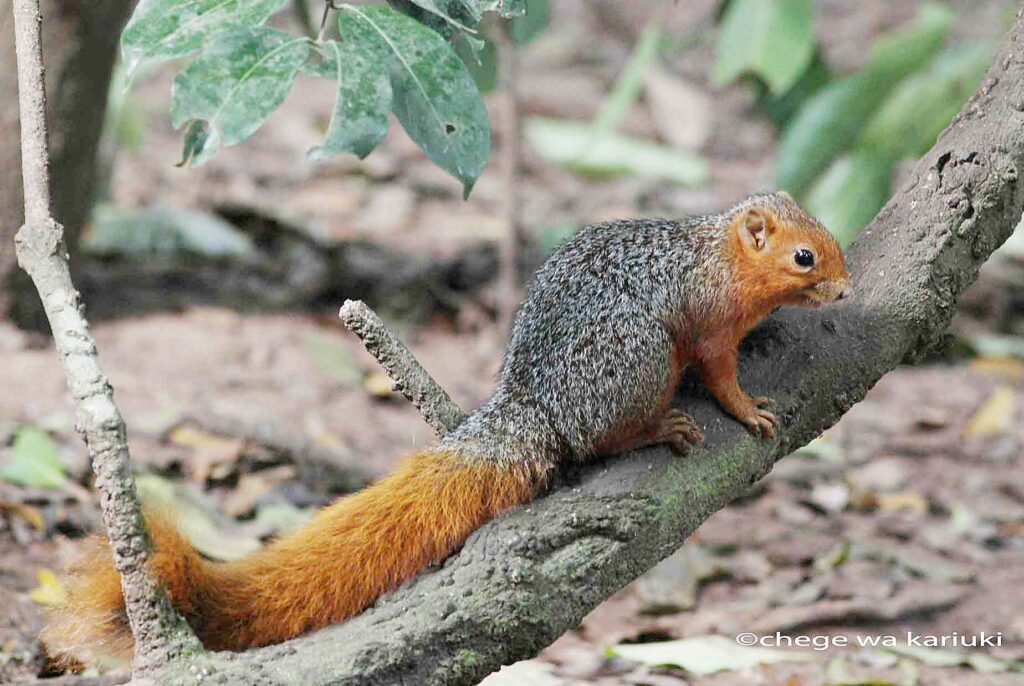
(531, 574)
(160, 634)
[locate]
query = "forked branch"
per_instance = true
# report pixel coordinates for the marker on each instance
(408, 375)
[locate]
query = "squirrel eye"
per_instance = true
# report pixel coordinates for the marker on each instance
(804, 257)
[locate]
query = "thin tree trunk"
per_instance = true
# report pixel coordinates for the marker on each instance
(80, 44)
(160, 633)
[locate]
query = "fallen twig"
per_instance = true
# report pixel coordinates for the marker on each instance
(333, 469)
(917, 599)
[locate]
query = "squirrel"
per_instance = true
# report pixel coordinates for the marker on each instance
(596, 351)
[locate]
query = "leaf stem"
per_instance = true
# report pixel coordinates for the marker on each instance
(328, 6)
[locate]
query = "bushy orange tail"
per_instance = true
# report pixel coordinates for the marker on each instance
(333, 567)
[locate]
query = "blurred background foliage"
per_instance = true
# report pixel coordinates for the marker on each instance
(842, 135)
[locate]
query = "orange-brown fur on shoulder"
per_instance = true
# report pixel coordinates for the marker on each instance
(776, 254)
(336, 565)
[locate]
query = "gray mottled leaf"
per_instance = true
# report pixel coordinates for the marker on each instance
(165, 29)
(360, 117)
(435, 97)
(442, 12)
(235, 83)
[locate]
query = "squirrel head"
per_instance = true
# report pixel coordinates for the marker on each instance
(791, 257)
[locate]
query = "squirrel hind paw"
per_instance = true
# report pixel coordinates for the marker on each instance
(677, 429)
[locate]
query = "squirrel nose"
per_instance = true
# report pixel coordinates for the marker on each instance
(845, 293)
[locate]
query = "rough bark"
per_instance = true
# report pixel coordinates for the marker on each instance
(161, 635)
(525, 578)
(80, 44)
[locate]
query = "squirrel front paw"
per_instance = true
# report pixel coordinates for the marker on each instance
(758, 420)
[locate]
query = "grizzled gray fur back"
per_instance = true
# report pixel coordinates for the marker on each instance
(597, 323)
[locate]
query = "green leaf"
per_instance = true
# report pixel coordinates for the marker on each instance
(553, 236)
(461, 13)
(822, 448)
(163, 231)
(526, 28)
(578, 146)
(505, 8)
(194, 141)
(283, 516)
(627, 87)
(234, 84)
(995, 346)
(512, 8)
(851, 193)
(34, 461)
(782, 108)
(919, 108)
(360, 117)
(841, 671)
(165, 29)
(773, 39)
(829, 123)
(435, 98)
(706, 654)
(940, 657)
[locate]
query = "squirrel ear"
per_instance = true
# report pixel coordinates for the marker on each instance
(754, 226)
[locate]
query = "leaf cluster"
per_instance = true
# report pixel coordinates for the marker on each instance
(843, 135)
(416, 59)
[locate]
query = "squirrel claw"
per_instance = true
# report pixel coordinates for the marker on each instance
(679, 431)
(761, 400)
(762, 423)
